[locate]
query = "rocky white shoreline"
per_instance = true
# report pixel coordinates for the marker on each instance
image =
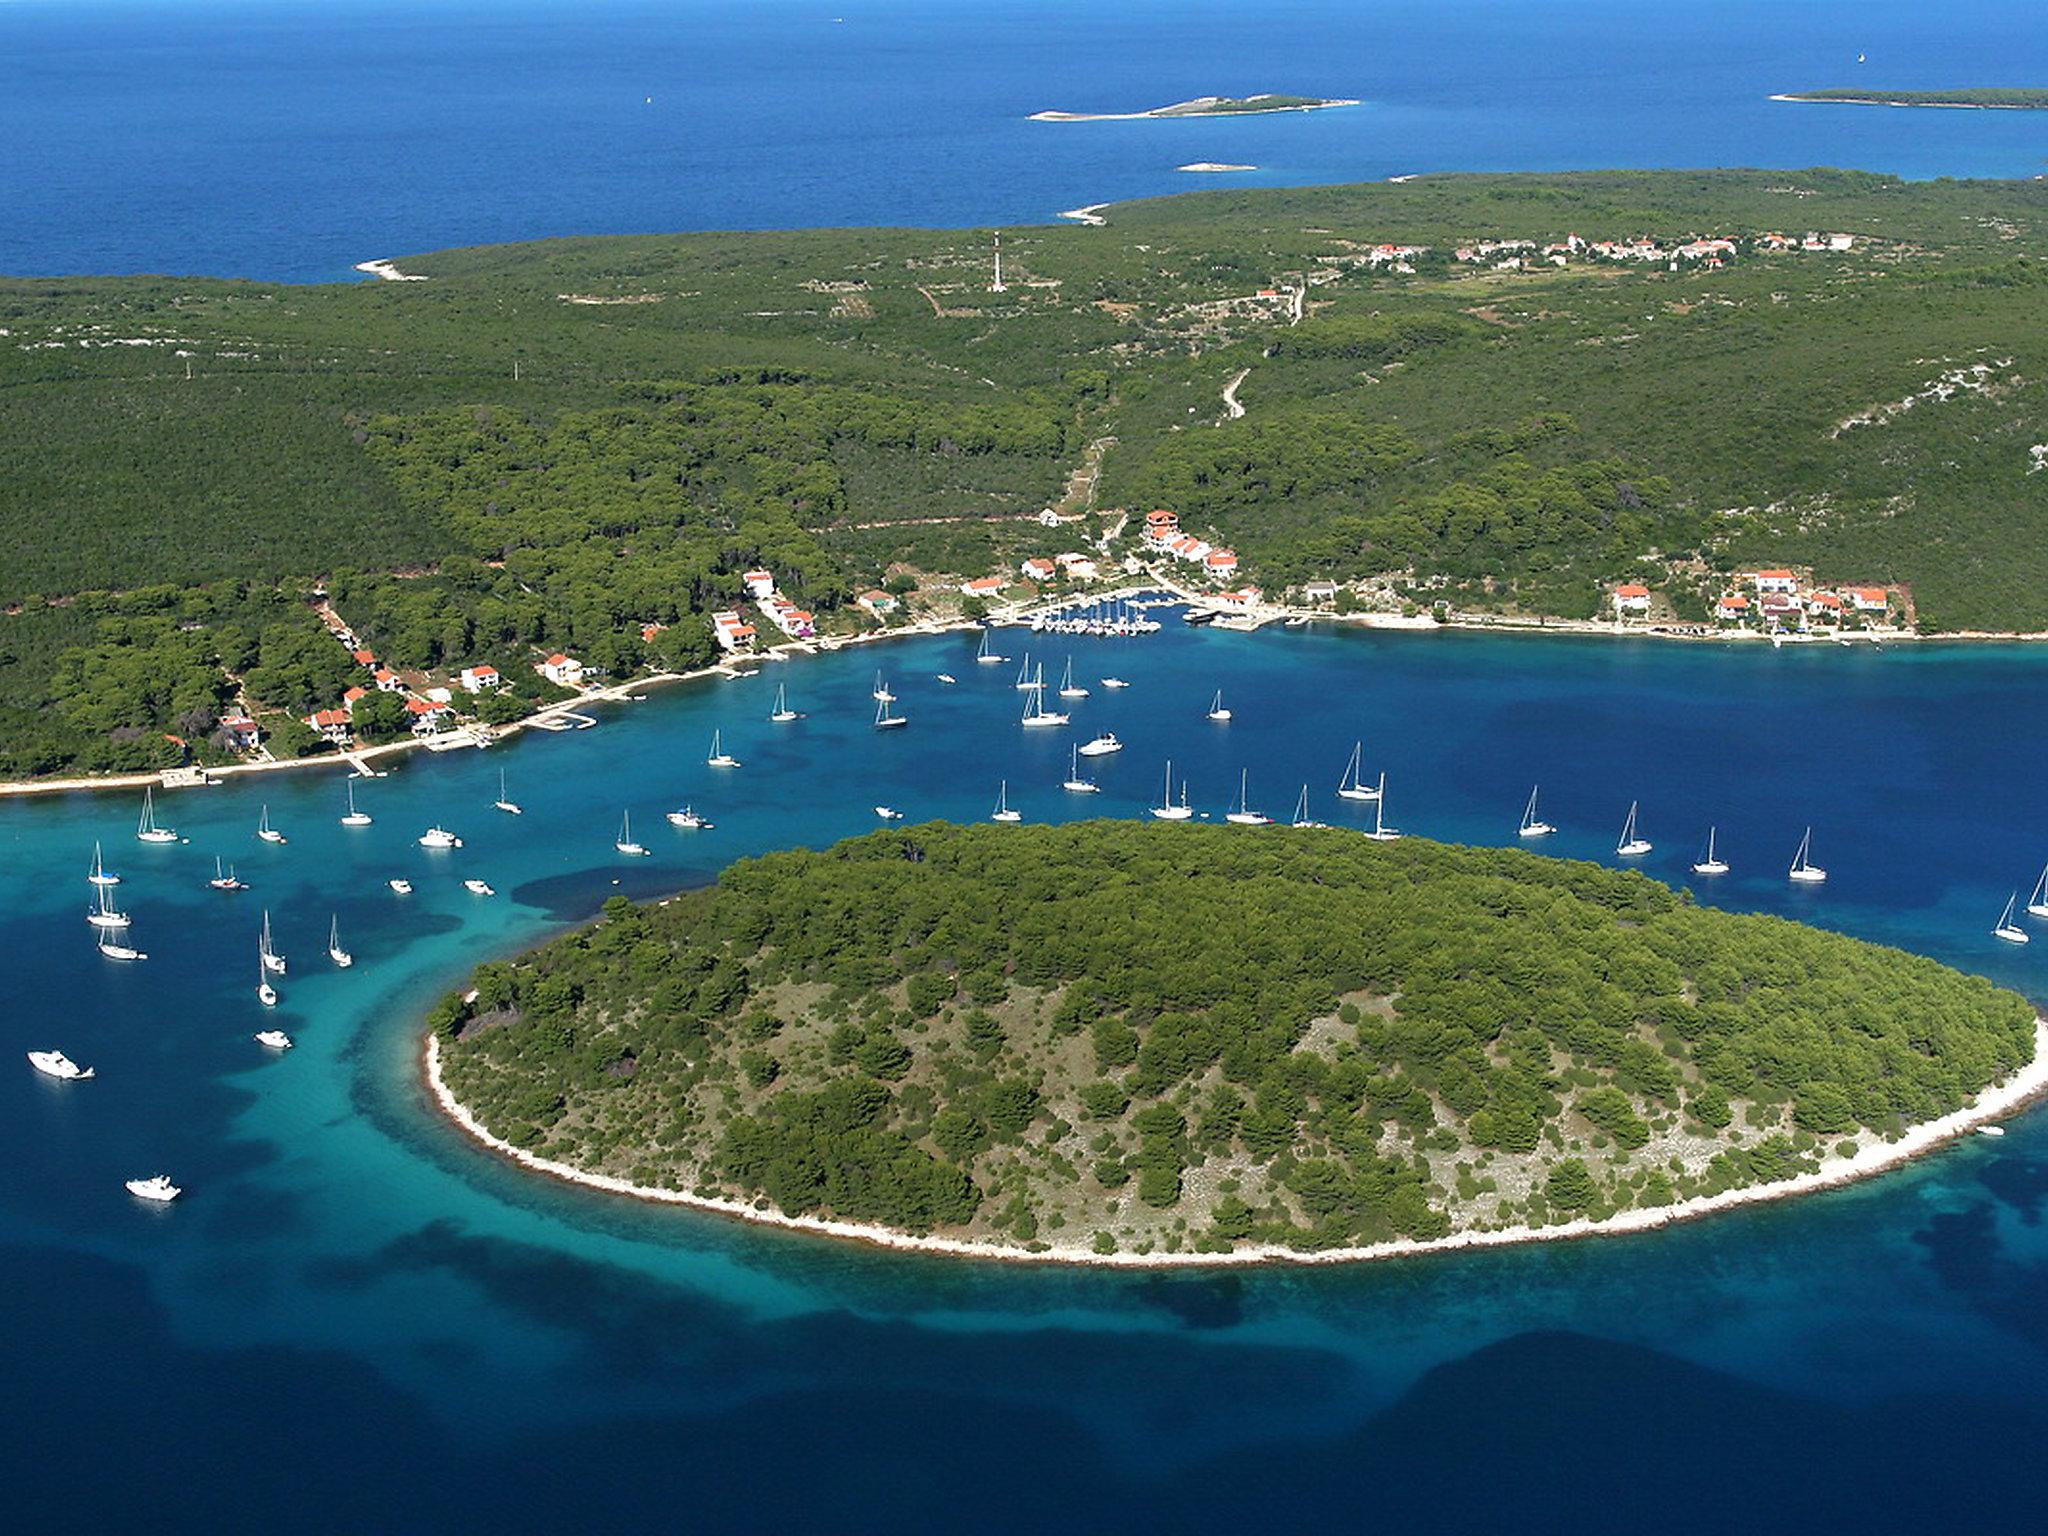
(1994, 1103)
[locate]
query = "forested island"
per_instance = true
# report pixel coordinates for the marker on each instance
(1468, 396)
(1113, 1039)
(1204, 106)
(2023, 98)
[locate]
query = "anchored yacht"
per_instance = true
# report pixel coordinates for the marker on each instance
(57, 1064)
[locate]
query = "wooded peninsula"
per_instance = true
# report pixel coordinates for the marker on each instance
(1105, 1038)
(2023, 98)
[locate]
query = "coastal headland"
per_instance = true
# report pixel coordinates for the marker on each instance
(1204, 106)
(1989, 98)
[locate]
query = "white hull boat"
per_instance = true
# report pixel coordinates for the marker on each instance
(1101, 746)
(689, 820)
(403, 887)
(2007, 929)
(273, 1039)
(265, 830)
(156, 1188)
(625, 843)
(1002, 811)
(56, 1064)
(1216, 710)
(1804, 871)
(439, 837)
(1631, 845)
(478, 888)
(720, 758)
(1710, 862)
(1381, 832)
(354, 818)
(1351, 787)
(101, 875)
(146, 830)
(1532, 825)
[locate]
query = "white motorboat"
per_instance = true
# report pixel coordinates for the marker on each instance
(1532, 825)
(948, 678)
(224, 878)
(354, 818)
(887, 719)
(1069, 689)
(56, 1064)
(266, 994)
(689, 820)
(117, 951)
(272, 960)
(1351, 786)
(100, 874)
(888, 813)
(505, 802)
(985, 656)
(720, 758)
(1166, 809)
(1710, 862)
(624, 842)
(101, 913)
(1216, 709)
(2007, 929)
(782, 714)
(1242, 814)
(1804, 871)
(1002, 811)
(1102, 745)
(146, 830)
(335, 952)
(478, 888)
(1075, 783)
(1633, 844)
(1114, 682)
(156, 1187)
(1381, 832)
(2037, 904)
(403, 887)
(265, 830)
(439, 837)
(273, 1039)
(1990, 1130)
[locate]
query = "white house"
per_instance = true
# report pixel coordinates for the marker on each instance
(565, 670)
(1632, 598)
(479, 678)
(1870, 599)
(1776, 581)
(1038, 570)
(760, 584)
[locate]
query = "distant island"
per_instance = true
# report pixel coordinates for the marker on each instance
(1147, 1044)
(1214, 165)
(1997, 97)
(1204, 106)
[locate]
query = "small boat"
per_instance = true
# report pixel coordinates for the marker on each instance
(1532, 825)
(101, 913)
(1002, 811)
(985, 656)
(1166, 810)
(1114, 682)
(1352, 787)
(1804, 870)
(224, 878)
(116, 951)
(2037, 904)
(56, 1064)
(2007, 929)
(1243, 815)
(273, 1039)
(100, 874)
(1069, 689)
(887, 719)
(1075, 783)
(1216, 709)
(1301, 815)
(624, 842)
(266, 994)
(1632, 845)
(156, 1187)
(1381, 832)
(888, 813)
(354, 818)
(782, 714)
(1035, 712)
(335, 952)
(265, 830)
(272, 960)
(689, 820)
(1710, 862)
(403, 887)
(1024, 678)
(478, 888)
(505, 802)
(146, 830)
(1990, 1130)
(439, 837)
(720, 758)
(948, 678)
(1102, 745)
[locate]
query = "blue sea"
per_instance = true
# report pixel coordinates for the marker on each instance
(355, 1320)
(291, 139)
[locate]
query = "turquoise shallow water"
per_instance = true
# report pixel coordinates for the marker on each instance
(356, 1320)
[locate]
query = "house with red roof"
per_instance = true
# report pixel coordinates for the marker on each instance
(476, 679)
(1632, 598)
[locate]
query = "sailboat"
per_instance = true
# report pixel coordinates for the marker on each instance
(272, 960)
(1632, 845)
(886, 719)
(1216, 709)
(335, 952)
(1035, 712)
(266, 994)
(2007, 929)
(1710, 862)
(354, 818)
(1352, 787)
(1166, 810)
(265, 830)
(146, 830)
(1531, 825)
(1069, 689)
(2037, 904)
(987, 657)
(1381, 832)
(101, 913)
(114, 949)
(720, 758)
(1075, 782)
(782, 714)
(224, 878)
(1301, 815)
(1804, 870)
(1002, 811)
(1024, 674)
(881, 691)
(1242, 814)
(624, 842)
(505, 802)
(101, 875)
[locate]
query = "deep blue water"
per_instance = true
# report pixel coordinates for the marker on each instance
(357, 1321)
(290, 139)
